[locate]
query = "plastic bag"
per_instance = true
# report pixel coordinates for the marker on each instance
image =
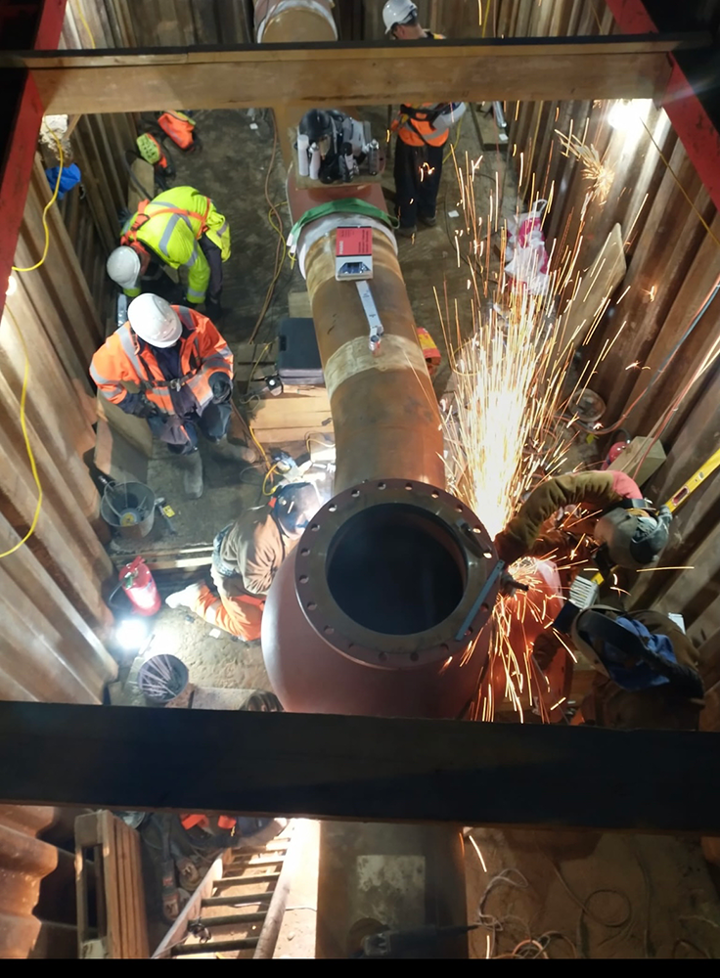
(70, 177)
(526, 258)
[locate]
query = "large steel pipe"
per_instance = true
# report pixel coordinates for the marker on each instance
(385, 597)
(381, 610)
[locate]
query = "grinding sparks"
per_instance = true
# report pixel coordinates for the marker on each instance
(505, 423)
(594, 167)
(480, 855)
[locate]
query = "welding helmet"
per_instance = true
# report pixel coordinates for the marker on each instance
(294, 506)
(318, 126)
(398, 12)
(154, 320)
(124, 266)
(633, 537)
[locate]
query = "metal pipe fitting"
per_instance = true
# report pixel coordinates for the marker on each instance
(378, 610)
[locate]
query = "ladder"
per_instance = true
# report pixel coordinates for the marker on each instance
(237, 910)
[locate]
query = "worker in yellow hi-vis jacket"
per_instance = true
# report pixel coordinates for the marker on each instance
(180, 228)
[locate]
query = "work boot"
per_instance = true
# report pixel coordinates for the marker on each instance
(407, 232)
(235, 452)
(429, 222)
(185, 598)
(193, 477)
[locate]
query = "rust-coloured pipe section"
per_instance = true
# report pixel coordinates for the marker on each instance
(330, 642)
(384, 410)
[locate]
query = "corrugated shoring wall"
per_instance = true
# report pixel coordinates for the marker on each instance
(53, 616)
(155, 23)
(671, 232)
(24, 862)
(50, 589)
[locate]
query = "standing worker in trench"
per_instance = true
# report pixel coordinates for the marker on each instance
(247, 555)
(422, 133)
(182, 370)
(180, 228)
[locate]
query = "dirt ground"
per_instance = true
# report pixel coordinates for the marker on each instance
(606, 896)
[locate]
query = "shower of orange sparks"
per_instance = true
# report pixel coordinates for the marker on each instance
(502, 428)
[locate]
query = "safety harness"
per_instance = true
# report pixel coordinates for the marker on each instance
(141, 217)
(409, 115)
(177, 382)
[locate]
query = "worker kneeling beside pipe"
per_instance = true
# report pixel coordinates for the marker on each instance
(247, 555)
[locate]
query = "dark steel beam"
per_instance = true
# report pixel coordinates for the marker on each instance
(360, 768)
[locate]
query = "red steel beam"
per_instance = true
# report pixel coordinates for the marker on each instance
(24, 111)
(686, 112)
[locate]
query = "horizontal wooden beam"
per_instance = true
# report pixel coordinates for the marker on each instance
(359, 768)
(330, 74)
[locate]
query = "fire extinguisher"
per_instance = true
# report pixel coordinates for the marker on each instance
(139, 585)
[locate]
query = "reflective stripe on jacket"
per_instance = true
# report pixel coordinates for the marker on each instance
(225, 822)
(414, 126)
(125, 358)
(171, 225)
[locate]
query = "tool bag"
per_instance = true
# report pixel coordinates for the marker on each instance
(638, 651)
(180, 128)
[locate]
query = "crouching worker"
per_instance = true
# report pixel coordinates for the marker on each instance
(181, 369)
(246, 557)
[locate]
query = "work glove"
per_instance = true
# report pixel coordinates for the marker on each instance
(138, 405)
(509, 549)
(221, 386)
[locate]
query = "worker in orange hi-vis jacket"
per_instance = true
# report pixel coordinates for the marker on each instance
(181, 372)
(422, 131)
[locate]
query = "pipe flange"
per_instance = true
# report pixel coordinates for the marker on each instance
(403, 549)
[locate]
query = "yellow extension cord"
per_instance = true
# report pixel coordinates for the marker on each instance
(26, 372)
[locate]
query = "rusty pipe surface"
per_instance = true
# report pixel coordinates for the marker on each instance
(361, 588)
(384, 409)
(376, 609)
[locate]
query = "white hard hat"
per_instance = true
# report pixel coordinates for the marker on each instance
(154, 320)
(398, 12)
(123, 266)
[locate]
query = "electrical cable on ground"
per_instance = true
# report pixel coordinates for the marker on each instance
(281, 250)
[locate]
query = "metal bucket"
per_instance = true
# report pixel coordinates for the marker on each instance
(162, 678)
(129, 508)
